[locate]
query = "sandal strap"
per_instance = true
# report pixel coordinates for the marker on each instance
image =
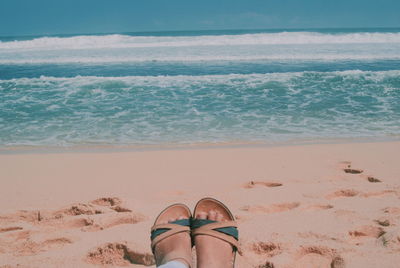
(226, 231)
(161, 231)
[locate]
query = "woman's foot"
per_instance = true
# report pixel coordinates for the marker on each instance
(176, 247)
(213, 252)
(170, 235)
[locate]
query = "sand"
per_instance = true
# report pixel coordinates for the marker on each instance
(332, 205)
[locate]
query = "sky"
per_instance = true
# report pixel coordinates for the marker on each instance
(40, 17)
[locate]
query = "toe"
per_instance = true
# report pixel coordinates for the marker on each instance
(212, 215)
(220, 217)
(202, 215)
(182, 218)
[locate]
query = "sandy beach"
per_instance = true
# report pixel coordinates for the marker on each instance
(285, 112)
(329, 205)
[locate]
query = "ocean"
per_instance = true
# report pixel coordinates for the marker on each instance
(199, 87)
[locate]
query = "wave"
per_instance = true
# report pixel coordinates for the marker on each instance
(126, 41)
(283, 46)
(189, 109)
(176, 80)
(200, 59)
(387, 80)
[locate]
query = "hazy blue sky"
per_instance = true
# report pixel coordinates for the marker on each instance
(18, 17)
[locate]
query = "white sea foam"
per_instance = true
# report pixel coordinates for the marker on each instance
(184, 108)
(245, 47)
(126, 41)
(194, 59)
(75, 84)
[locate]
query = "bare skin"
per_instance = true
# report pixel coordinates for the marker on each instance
(212, 252)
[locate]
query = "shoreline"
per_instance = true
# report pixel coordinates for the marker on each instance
(115, 148)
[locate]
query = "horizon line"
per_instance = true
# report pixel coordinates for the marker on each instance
(201, 30)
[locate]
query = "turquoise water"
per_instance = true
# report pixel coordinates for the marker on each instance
(193, 87)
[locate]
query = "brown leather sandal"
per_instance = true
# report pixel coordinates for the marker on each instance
(226, 230)
(161, 231)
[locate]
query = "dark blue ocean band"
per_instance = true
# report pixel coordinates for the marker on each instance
(157, 232)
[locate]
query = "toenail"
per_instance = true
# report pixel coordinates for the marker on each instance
(212, 215)
(202, 215)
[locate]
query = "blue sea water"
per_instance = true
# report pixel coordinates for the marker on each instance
(162, 88)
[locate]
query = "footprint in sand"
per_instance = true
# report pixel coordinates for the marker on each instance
(9, 229)
(392, 210)
(318, 256)
(21, 215)
(272, 208)
(97, 215)
(107, 201)
(346, 166)
(21, 230)
(391, 239)
(318, 207)
(80, 215)
(29, 247)
(266, 265)
(267, 249)
(379, 193)
(21, 235)
(353, 171)
(118, 254)
(78, 209)
(391, 218)
(78, 223)
(343, 193)
(383, 222)
(367, 231)
(113, 203)
(314, 235)
(253, 184)
(373, 179)
(105, 222)
(350, 215)
(98, 206)
(120, 209)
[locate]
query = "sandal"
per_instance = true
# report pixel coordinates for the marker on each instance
(226, 230)
(160, 232)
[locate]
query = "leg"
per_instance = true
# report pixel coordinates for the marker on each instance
(173, 264)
